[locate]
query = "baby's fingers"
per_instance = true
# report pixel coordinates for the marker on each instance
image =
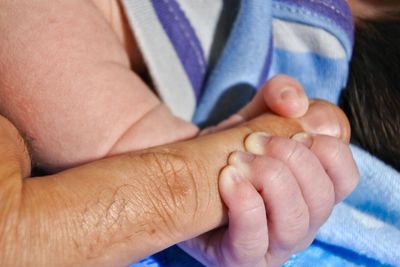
(246, 241)
(337, 160)
(287, 212)
(316, 186)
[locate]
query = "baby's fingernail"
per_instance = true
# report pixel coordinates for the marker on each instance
(290, 94)
(230, 176)
(303, 138)
(255, 142)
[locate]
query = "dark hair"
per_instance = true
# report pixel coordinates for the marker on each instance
(372, 97)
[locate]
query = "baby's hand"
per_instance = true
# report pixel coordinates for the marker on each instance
(277, 198)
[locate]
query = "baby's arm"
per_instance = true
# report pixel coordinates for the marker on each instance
(66, 84)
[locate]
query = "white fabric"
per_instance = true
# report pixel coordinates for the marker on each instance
(164, 65)
(204, 16)
(301, 38)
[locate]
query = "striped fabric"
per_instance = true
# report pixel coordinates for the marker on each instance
(178, 50)
(177, 72)
(207, 58)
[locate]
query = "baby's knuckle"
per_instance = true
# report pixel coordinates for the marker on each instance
(295, 151)
(287, 149)
(278, 175)
(322, 205)
(249, 249)
(296, 227)
(276, 169)
(300, 219)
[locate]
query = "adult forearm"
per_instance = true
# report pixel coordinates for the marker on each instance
(117, 210)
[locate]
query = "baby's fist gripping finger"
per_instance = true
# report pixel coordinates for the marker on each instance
(316, 186)
(286, 210)
(337, 160)
(324, 171)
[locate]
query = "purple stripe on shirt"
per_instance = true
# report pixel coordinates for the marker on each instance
(337, 10)
(185, 41)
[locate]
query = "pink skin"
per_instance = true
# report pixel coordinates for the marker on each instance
(278, 193)
(277, 199)
(96, 88)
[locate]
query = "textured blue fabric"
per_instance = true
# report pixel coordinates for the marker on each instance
(331, 73)
(321, 254)
(241, 64)
(237, 75)
(331, 15)
(322, 76)
(364, 230)
(170, 257)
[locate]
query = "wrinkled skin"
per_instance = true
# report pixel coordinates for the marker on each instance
(96, 214)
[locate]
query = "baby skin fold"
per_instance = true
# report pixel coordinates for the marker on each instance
(93, 215)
